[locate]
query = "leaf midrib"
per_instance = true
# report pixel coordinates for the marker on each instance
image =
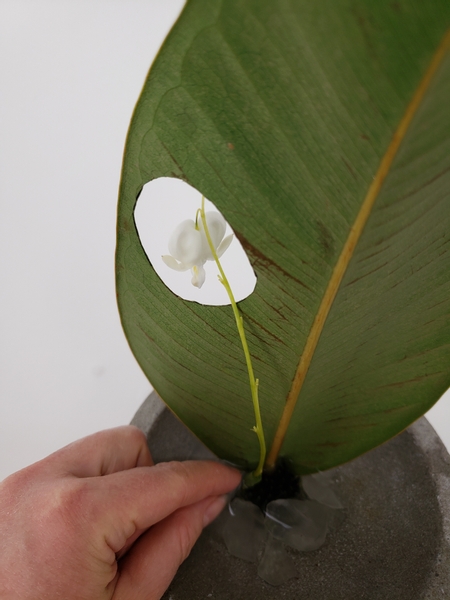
(348, 251)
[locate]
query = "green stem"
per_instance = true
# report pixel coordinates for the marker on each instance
(258, 428)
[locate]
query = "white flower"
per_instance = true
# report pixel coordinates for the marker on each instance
(189, 248)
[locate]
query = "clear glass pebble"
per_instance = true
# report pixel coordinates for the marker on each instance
(243, 530)
(276, 565)
(318, 488)
(300, 524)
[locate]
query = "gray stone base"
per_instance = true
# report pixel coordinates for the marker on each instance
(392, 544)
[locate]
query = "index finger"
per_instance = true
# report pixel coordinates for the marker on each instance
(137, 499)
(102, 453)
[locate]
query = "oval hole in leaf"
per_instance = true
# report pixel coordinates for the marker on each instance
(163, 204)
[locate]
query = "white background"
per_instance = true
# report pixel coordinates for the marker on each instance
(70, 75)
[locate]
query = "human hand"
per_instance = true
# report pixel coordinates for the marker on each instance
(96, 520)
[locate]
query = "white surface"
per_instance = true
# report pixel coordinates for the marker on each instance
(159, 201)
(71, 73)
(439, 417)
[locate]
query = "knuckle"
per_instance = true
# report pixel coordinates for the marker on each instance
(67, 503)
(15, 485)
(129, 434)
(136, 434)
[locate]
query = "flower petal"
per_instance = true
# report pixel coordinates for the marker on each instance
(198, 275)
(224, 245)
(186, 244)
(174, 264)
(216, 226)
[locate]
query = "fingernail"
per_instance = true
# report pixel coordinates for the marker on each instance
(214, 509)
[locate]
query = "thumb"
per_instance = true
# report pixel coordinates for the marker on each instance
(150, 565)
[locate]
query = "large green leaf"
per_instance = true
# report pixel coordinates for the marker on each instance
(293, 117)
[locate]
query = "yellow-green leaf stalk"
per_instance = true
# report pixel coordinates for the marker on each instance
(258, 428)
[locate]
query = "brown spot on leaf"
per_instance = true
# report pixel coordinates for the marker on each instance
(146, 335)
(181, 173)
(279, 313)
(364, 23)
(349, 168)
(261, 261)
(230, 146)
(326, 240)
(259, 326)
(396, 409)
(400, 384)
(425, 184)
